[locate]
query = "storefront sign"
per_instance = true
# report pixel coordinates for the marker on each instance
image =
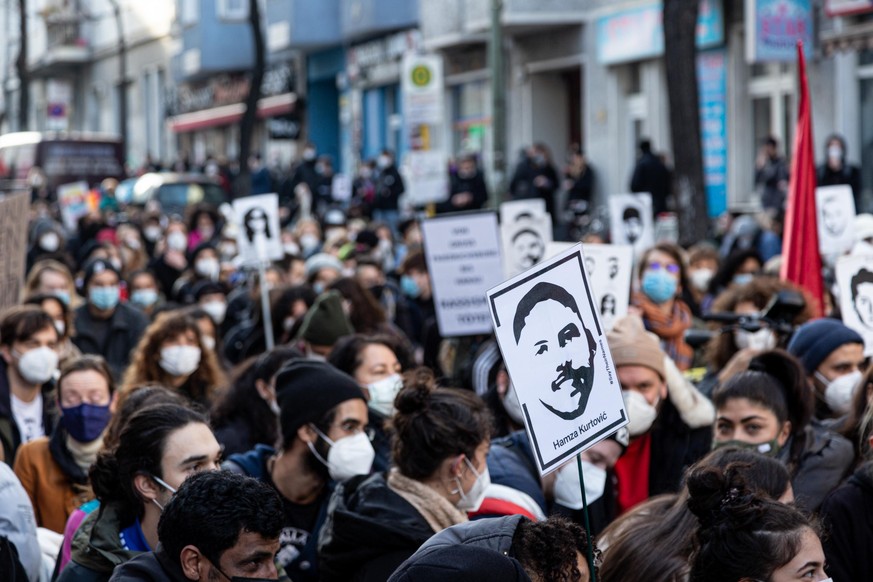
(228, 90)
(284, 127)
(712, 84)
(773, 28)
(638, 33)
(463, 259)
(377, 54)
(845, 7)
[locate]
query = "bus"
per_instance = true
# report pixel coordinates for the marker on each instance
(61, 157)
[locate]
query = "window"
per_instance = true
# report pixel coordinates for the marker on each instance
(189, 9)
(233, 9)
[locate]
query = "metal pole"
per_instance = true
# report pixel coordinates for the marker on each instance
(498, 106)
(122, 81)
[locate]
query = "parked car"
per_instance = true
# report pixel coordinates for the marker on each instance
(171, 191)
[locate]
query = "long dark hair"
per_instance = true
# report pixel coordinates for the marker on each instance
(366, 315)
(140, 450)
(242, 400)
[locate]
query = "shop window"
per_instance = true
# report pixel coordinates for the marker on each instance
(233, 9)
(470, 119)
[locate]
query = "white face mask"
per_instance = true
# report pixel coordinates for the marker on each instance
(177, 241)
(472, 500)
(383, 392)
(50, 242)
(61, 326)
(180, 360)
(512, 406)
(700, 278)
(568, 491)
(163, 484)
(216, 310)
(38, 365)
(152, 233)
(208, 268)
(209, 343)
(309, 241)
(835, 152)
(840, 391)
(763, 339)
(347, 457)
(640, 413)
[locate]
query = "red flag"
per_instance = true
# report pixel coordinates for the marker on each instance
(801, 261)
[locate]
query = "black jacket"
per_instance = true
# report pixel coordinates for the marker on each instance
(849, 175)
(821, 462)
(522, 184)
(847, 516)
(389, 187)
(476, 551)
(149, 567)
(10, 437)
(370, 530)
(475, 185)
(675, 447)
(652, 176)
(126, 328)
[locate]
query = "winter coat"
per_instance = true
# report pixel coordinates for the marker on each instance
(389, 187)
(652, 176)
(477, 549)
(10, 437)
(475, 185)
(847, 516)
(369, 532)
(17, 523)
(675, 447)
(522, 184)
(126, 328)
(154, 566)
(97, 548)
(55, 484)
(511, 463)
(821, 464)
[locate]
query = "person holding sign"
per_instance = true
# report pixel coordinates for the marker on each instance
(669, 419)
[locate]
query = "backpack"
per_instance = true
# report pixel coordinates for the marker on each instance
(11, 568)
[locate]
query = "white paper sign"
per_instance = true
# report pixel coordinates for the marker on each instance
(855, 281)
(609, 268)
(529, 209)
(427, 177)
(259, 237)
(835, 213)
(73, 200)
(463, 260)
(423, 90)
(524, 243)
(631, 221)
(556, 353)
(341, 187)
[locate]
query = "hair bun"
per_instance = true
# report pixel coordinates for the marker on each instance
(104, 477)
(719, 497)
(418, 385)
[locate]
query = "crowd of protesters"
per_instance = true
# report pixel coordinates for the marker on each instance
(149, 434)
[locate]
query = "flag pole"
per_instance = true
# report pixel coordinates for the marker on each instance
(590, 544)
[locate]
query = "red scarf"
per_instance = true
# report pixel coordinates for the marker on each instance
(632, 472)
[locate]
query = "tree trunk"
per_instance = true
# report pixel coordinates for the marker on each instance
(680, 52)
(21, 68)
(243, 183)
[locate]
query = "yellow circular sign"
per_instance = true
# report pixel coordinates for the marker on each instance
(421, 75)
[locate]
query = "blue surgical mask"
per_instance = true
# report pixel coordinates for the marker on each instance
(64, 296)
(144, 297)
(85, 422)
(409, 287)
(104, 298)
(741, 279)
(659, 286)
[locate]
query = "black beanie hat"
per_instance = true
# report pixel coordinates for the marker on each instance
(307, 390)
(96, 266)
(325, 322)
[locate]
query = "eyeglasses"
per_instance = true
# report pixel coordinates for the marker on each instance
(669, 267)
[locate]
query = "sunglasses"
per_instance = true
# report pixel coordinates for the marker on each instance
(669, 267)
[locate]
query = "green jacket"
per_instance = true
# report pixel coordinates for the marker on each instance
(96, 547)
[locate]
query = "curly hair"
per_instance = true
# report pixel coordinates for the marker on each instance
(547, 550)
(145, 369)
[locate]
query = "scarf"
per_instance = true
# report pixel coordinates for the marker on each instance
(84, 454)
(62, 454)
(670, 328)
(439, 512)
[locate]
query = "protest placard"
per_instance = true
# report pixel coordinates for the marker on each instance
(555, 350)
(524, 242)
(463, 260)
(514, 210)
(835, 212)
(631, 221)
(73, 201)
(855, 282)
(259, 236)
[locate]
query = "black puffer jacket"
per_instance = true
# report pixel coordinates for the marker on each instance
(442, 556)
(822, 462)
(847, 516)
(370, 530)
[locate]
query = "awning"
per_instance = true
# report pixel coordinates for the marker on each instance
(853, 37)
(228, 114)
